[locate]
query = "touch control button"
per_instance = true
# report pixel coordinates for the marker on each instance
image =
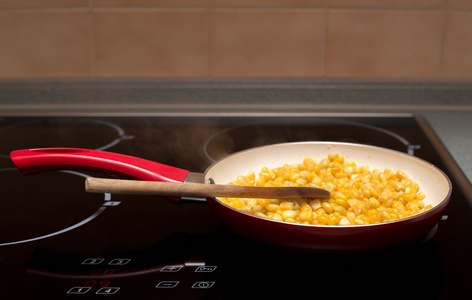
(206, 269)
(111, 203)
(175, 268)
(92, 261)
(119, 261)
(78, 290)
(167, 284)
(108, 290)
(203, 284)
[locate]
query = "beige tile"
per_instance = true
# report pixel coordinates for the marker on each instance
(383, 43)
(42, 3)
(149, 3)
(457, 55)
(385, 3)
(265, 43)
(266, 3)
(459, 4)
(162, 43)
(44, 44)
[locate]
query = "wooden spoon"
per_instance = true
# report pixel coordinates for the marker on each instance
(138, 187)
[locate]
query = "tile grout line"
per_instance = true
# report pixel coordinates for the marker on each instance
(325, 38)
(326, 6)
(442, 40)
(207, 37)
(92, 40)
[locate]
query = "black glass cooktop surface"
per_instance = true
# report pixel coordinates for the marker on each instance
(59, 242)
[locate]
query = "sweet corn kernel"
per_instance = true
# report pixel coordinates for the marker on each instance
(340, 199)
(344, 221)
(260, 214)
(358, 221)
(263, 202)
(273, 207)
(289, 214)
(277, 217)
(323, 219)
(286, 205)
(358, 195)
(327, 207)
(315, 204)
(333, 220)
(306, 216)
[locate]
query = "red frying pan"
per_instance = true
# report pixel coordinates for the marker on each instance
(433, 182)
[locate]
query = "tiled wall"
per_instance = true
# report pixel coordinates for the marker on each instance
(388, 39)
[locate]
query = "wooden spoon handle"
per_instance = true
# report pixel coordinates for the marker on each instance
(137, 187)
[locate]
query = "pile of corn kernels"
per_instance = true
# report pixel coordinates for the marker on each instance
(358, 195)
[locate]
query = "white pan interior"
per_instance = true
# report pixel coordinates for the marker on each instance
(433, 182)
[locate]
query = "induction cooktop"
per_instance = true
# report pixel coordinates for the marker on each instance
(59, 242)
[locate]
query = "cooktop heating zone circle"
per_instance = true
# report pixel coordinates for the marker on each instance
(62, 205)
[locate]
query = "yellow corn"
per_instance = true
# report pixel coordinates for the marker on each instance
(306, 216)
(277, 217)
(273, 207)
(286, 205)
(289, 214)
(327, 207)
(358, 195)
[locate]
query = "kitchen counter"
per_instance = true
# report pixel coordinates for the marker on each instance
(447, 106)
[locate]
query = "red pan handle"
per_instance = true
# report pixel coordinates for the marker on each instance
(47, 159)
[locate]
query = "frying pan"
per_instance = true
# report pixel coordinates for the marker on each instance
(352, 238)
